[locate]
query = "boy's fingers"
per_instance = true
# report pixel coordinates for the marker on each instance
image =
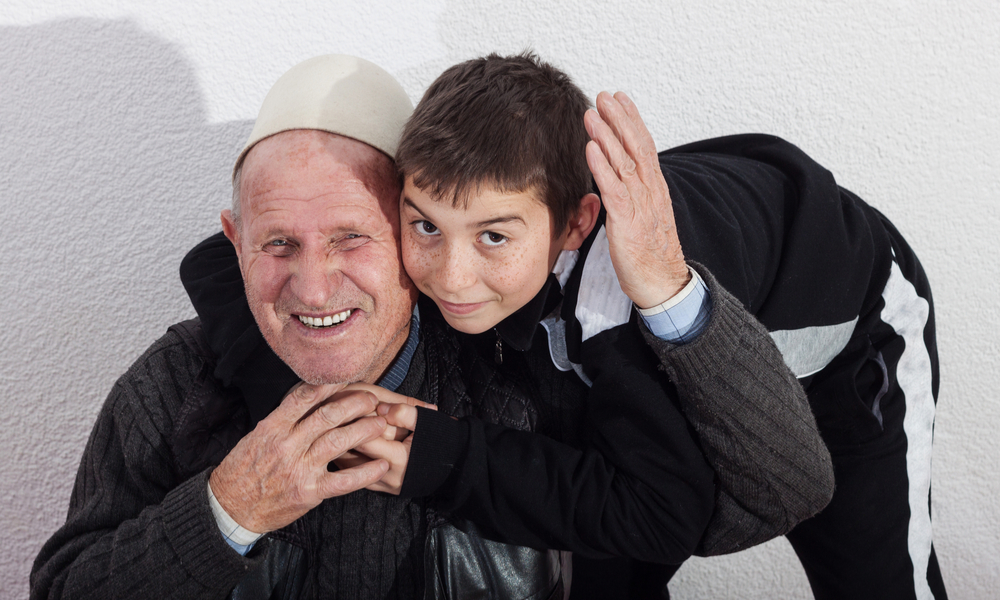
(384, 449)
(351, 458)
(401, 416)
(397, 454)
(387, 397)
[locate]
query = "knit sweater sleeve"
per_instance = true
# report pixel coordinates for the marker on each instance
(134, 528)
(754, 424)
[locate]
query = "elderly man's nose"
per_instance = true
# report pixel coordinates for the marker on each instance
(315, 281)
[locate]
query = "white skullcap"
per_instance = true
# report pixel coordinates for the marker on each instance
(341, 94)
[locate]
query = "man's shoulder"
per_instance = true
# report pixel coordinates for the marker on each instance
(171, 394)
(172, 362)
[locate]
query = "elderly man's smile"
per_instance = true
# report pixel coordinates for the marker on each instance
(324, 321)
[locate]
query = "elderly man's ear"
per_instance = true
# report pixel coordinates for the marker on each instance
(230, 230)
(582, 221)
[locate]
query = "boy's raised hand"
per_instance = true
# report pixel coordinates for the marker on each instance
(642, 236)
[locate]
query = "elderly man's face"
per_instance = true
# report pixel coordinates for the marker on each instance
(319, 251)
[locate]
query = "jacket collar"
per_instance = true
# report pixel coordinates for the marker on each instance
(518, 329)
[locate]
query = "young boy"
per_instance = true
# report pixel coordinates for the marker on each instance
(499, 227)
(526, 209)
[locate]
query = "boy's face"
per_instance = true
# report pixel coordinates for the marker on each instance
(480, 263)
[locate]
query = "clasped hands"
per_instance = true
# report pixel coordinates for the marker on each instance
(280, 470)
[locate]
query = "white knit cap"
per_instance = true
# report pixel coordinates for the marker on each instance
(341, 94)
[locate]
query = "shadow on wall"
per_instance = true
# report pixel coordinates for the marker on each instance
(110, 173)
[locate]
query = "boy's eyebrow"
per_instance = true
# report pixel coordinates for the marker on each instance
(408, 202)
(486, 223)
(501, 219)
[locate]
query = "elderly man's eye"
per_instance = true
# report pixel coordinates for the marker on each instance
(278, 247)
(350, 241)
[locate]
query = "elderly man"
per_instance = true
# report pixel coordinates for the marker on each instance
(184, 468)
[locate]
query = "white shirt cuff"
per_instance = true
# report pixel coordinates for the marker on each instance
(240, 538)
(676, 298)
(683, 317)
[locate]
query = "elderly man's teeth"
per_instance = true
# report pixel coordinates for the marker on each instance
(327, 321)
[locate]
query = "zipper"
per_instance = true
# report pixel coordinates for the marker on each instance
(498, 351)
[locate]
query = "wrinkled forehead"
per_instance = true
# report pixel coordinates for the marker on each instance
(301, 164)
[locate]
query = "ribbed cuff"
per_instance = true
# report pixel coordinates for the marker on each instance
(726, 329)
(439, 442)
(192, 532)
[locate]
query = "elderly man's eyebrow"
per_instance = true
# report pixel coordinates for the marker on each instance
(479, 224)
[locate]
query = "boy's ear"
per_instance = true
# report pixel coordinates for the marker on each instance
(582, 222)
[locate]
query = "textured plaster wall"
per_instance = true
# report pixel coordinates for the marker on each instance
(119, 122)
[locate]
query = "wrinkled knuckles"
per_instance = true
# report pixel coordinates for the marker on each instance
(276, 451)
(647, 153)
(332, 413)
(620, 191)
(304, 392)
(336, 442)
(627, 169)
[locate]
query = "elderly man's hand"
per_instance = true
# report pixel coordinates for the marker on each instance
(642, 236)
(278, 472)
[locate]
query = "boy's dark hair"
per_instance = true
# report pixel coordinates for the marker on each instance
(511, 123)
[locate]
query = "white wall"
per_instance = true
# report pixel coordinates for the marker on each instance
(119, 122)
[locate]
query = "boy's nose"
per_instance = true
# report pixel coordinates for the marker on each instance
(457, 272)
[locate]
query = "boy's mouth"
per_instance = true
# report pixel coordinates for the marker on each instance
(460, 309)
(324, 322)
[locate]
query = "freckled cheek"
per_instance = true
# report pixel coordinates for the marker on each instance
(507, 274)
(419, 262)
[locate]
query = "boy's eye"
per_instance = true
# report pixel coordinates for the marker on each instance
(491, 238)
(426, 228)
